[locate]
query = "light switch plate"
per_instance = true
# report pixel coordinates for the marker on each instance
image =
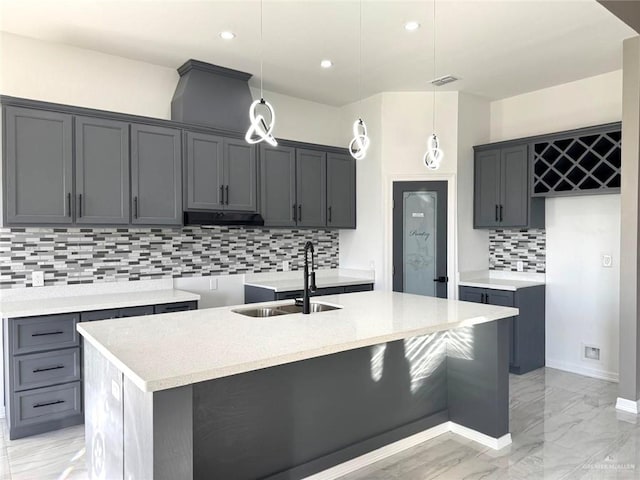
(285, 265)
(520, 266)
(607, 261)
(213, 284)
(37, 279)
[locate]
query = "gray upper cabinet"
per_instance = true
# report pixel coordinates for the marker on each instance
(156, 175)
(501, 189)
(278, 186)
(39, 167)
(102, 171)
(204, 171)
(341, 191)
(311, 188)
(240, 175)
(220, 173)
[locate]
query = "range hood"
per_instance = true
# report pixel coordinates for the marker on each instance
(211, 95)
(223, 218)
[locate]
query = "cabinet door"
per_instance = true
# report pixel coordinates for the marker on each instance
(472, 294)
(311, 188)
(240, 169)
(204, 172)
(156, 180)
(39, 162)
(487, 189)
(501, 298)
(278, 186)
(341, 191)
(102, 171)
(514, 200)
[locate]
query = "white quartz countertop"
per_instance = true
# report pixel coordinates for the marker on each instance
(95, 301)
(291, 284)
(158, 352)
(498, 283)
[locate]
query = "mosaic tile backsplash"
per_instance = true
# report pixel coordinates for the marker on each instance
(507, 247)
(92, 255)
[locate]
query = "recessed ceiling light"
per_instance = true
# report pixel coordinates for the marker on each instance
(326, 64)
(411, 26)
(227, 35)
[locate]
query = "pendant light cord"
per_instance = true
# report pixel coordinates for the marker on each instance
(433, 120)
(261, 47)
(360, 60)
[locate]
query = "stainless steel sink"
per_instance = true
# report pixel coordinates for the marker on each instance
(259, 312)
(283, 310)
(315, 308)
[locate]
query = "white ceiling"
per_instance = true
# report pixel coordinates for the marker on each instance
(498, 48)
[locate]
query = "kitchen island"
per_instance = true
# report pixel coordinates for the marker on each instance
(216, 394)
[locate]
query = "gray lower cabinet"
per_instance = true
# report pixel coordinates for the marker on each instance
(278, 186)
(341, 191)
(42, 367)
(502, 198)
(156, 175)
(38, 179)
(102, 171)
(253, 294)
(526, 331)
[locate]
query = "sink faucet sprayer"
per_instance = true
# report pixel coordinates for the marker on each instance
(308, 288)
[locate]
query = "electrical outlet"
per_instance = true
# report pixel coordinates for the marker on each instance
(520, 266)
(285, 265)
(37, 279)
(213, 284)
(607, 261)
(591, 353)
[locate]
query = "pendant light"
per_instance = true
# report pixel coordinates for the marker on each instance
(434, 154)
(360, 142)
(261, 128)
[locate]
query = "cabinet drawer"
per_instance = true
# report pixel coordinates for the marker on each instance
(176, 307)
(36, 334)
(43, 369)
(329, 291)
(136, 311)
(358, 288)
(46, 404)
(99, 315)
(288, 295)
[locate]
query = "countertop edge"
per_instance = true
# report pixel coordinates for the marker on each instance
(500, 286)
(319, 281)
(154, 385)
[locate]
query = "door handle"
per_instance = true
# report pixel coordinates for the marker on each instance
(135, 207)
(441, 279)
(221, 194)
(300, 212)
(227, 194)
(482, 298)
(294, 212)
(500, 212)
(329, 214)
(69, 204)
(79, 205)
(496, 212)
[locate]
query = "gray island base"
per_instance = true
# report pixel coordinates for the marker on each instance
(293, 420)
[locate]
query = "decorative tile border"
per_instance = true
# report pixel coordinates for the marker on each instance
(507, 247)
(93, 255)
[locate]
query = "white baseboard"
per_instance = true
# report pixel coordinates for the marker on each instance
(481, 438)
(629, 406)
(406, 443)
(2, 415)
(582, 370)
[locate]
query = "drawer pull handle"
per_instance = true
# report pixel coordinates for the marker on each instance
(43, 334)
(46, 404)
(46, 369)
(181, 308)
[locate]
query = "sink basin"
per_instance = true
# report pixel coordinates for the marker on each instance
(315, 308)
(262, 312)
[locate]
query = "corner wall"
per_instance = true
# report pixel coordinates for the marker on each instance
(582, 296)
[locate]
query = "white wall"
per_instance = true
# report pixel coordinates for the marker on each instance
(582, 298)
(473, 129)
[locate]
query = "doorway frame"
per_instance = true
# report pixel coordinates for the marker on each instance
(452, 244)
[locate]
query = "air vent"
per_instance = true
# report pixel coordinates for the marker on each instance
(440, 81)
